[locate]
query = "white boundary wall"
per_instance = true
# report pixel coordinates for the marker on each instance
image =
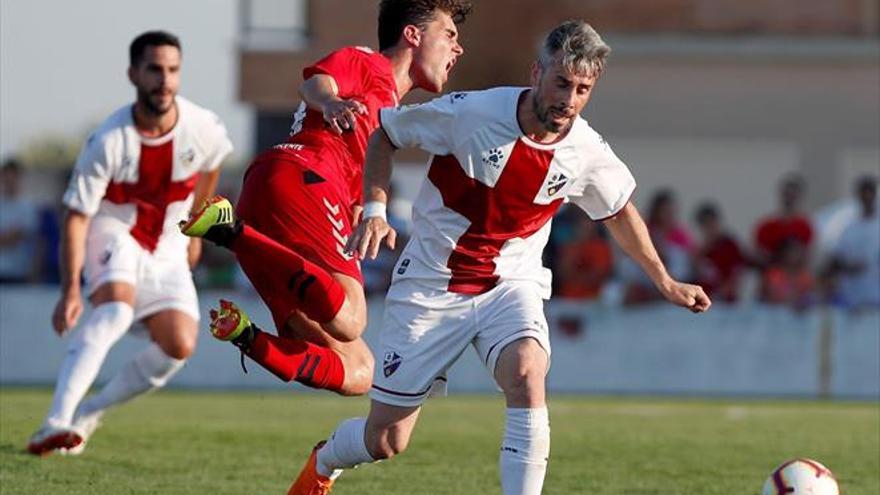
(655, 350)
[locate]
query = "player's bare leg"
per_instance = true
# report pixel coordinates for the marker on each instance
(521, 371)
(383, 434)
(110, 318)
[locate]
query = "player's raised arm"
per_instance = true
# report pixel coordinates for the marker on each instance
(377, 179)
(321, 93)
(629, 230)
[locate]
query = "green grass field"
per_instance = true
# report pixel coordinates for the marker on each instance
(177, 442)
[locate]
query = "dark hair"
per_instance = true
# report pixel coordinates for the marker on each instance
(11, 165)
(706, 211)
(394, 15)
(150, 38)
(866, 182)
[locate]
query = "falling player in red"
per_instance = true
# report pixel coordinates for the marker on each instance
(301, 198)
(138, 173)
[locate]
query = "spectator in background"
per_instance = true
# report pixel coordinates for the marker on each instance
(789, 281)
(674, 245)
(586, 262)
(718, 261)
(855, 260)
(789, 223)
(18, 225)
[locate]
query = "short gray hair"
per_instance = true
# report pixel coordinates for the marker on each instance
(577, 46)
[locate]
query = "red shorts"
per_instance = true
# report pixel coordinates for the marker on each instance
(284, 198)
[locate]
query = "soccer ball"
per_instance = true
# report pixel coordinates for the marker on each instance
(801, 477)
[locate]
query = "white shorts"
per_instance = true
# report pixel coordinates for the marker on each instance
(160, 283)
(424, 331)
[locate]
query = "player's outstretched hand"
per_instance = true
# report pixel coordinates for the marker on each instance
(340, 114)
(369, 235)
(68, 309)
(688, 296)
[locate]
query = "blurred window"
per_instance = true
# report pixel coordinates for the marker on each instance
(274, 24)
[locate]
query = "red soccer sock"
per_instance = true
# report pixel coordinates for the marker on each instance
(284, 274)
(289, 359)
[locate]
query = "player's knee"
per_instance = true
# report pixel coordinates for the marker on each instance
(358, 374)
(180, 347)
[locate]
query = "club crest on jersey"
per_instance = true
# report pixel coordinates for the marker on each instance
(391, 363)
(493, 157)
(457, 96)
(555, 184)
(188, 156)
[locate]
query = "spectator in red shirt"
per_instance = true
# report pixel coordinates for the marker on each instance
(789, 223)
(718, 261)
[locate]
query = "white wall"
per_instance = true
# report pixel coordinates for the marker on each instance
(660, 350)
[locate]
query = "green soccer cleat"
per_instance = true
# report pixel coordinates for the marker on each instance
(215, 214)
(229, 323)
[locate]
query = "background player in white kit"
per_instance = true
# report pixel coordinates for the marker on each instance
(504, 161)
(138, 174)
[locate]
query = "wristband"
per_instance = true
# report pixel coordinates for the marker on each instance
(375, 209)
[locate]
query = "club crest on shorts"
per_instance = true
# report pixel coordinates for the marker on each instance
(391, 363)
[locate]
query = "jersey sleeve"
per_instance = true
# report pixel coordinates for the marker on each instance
(218, 146)
(350, 67)
(428, 126)
(606, 186)
(89, 179)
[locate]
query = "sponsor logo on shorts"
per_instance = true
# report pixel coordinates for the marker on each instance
(391, 363)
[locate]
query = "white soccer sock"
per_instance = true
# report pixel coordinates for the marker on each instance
(524, 451)
(149, 370)
(345, 449)
(85, 353)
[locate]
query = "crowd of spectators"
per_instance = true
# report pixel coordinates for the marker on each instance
(781, 259)
(779, 265)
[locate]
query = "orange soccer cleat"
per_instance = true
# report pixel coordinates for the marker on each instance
(309, 482)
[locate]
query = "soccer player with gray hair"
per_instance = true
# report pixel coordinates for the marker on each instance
(504, 161)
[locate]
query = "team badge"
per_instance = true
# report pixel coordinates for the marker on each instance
(188, 156)
(391, 363)
(555, 184)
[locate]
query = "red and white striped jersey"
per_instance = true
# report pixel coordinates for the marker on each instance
(484, 211)
(143, 186)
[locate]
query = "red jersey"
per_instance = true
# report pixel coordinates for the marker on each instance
(774, 231)
(360, 74)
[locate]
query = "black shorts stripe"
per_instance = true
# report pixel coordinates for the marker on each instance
(405, 394)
